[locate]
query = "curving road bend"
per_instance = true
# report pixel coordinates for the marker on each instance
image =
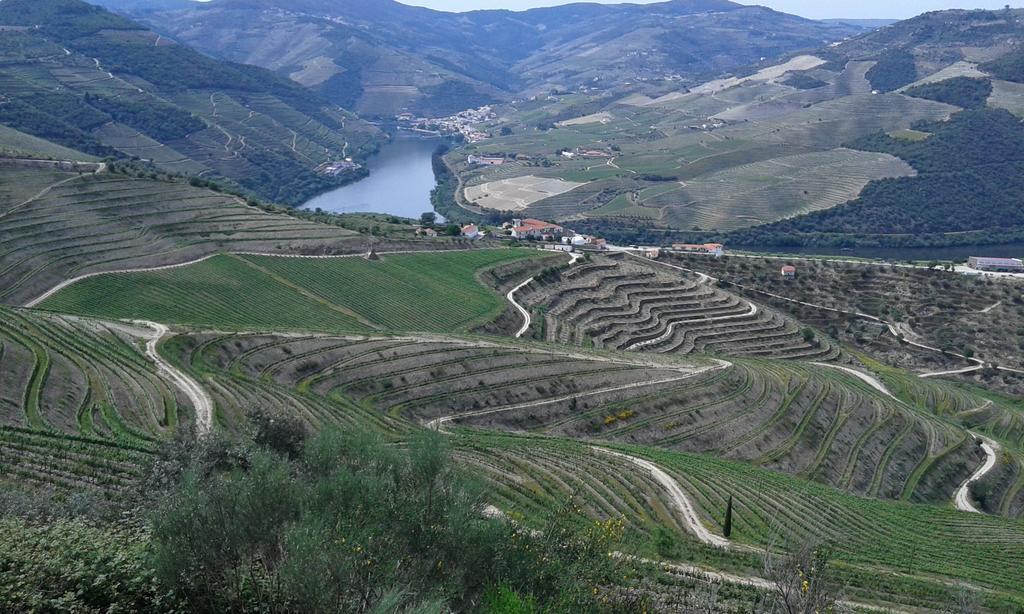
(511, 296)
(679, 498)
(963, 494)
(870, 380)
(527, 319)
(200, 400)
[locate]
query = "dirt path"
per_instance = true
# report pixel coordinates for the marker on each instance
(954, 372)
(991, 307)
(438, 424)
(527, 319)
(976, 410)
(200, 400)
(99, 169)
(870, 380)
(963, 494)
(511, 296)
(679, 498)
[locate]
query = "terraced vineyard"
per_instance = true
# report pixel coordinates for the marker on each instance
(422, 378)
(84, 378)
(811, 422)
(822, 424)
(776, 414)
(877, 544)
(713, 159)
(808, 182)
(957, 313)
(76, 224)
(639, 305)
(423, 292)
(80, 405)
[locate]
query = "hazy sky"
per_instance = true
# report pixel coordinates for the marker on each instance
(815, 9)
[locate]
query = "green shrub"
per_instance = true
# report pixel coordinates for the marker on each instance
(72, 566)
(357, 525)
(960, 91)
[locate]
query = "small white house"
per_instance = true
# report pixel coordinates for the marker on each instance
(471, 231)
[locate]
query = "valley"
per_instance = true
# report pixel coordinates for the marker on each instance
(233, 380)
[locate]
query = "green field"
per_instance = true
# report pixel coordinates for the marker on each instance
(424, 292)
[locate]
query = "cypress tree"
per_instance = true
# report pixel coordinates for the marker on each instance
(727, 528)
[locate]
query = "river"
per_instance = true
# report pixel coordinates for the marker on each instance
(401, 179)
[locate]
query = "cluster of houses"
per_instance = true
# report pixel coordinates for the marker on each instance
(463, 123)
(569, 154)
(538, 230)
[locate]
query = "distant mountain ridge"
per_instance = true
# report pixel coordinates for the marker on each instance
(380, 57)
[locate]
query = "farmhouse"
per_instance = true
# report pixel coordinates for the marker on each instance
(710, 249)
(535, 229)
(339, 167)
(789, 272)
(999, 265)
(471, 231)
(486, 160)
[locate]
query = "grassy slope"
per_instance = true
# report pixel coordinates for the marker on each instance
(93, 223)
(15, 143)
(427, 292)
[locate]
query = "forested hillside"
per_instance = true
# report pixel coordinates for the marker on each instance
(95, 82)
(970, 181)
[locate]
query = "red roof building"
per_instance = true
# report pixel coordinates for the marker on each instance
(537, 229)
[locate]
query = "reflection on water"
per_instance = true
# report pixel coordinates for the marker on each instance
(401, 179)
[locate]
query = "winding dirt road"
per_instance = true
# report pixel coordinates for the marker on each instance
(200, 400)
(870, 380)
(527, 319)
(438, 424)
(963, 494)
(681, 501)
(511, 296)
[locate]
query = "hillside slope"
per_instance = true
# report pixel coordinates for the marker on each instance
(382, 57)
(903, 136)
(59, 221)
(98, 83)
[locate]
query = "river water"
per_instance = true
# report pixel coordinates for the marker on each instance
(401, 179)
